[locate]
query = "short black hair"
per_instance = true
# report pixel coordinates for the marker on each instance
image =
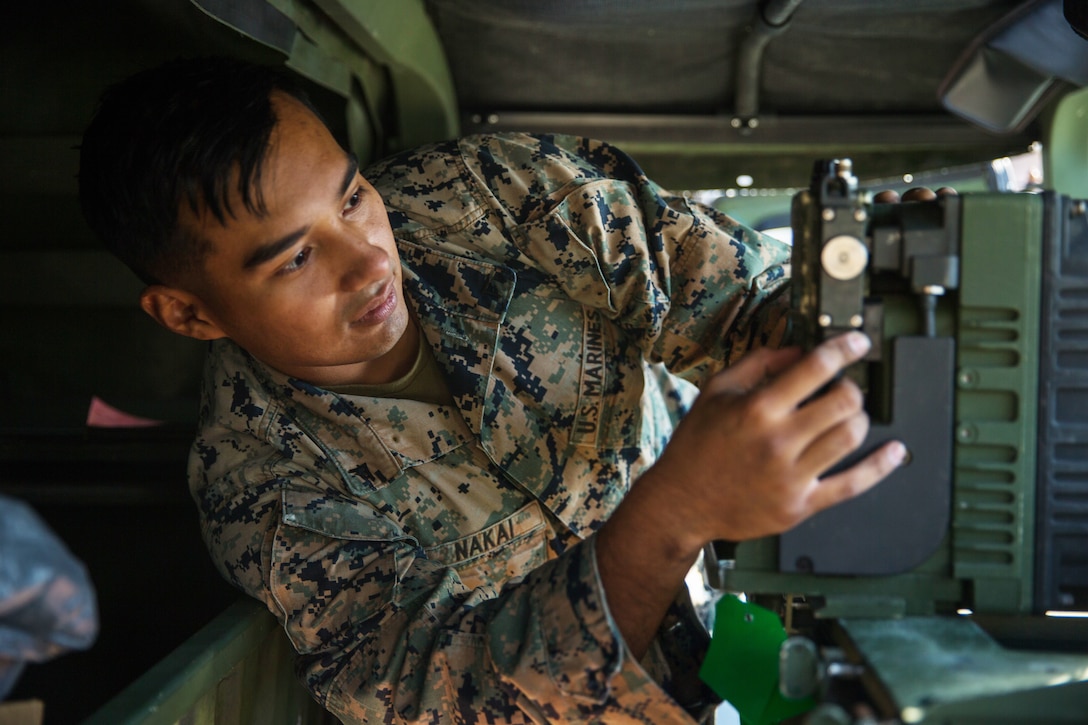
(181, 132)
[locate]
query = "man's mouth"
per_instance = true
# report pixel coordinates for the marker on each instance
(379, 308)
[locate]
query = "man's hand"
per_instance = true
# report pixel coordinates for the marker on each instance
(749, 456)
(745, 462)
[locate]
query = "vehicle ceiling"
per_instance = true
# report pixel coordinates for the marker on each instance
(670, 79)
(858, 74)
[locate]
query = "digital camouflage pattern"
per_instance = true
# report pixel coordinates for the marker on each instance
(435, 563)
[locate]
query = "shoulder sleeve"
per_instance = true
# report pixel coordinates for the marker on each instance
(694, 288)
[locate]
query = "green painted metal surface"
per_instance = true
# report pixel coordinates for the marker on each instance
(996, 399)
(948, 670)
(401, 88)
(237, 670)
(1065, 150)
(400, 35)
(385, 59)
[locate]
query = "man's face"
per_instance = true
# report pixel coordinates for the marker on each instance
(312, 288)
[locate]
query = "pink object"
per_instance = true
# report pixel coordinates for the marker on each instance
(103, 415)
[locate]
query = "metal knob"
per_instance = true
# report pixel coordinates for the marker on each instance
(799, 668)
(844, 257)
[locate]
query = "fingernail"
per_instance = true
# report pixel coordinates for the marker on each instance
(897, 452)
(858, 342)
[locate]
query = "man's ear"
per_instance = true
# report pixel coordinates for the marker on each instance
(179, 311)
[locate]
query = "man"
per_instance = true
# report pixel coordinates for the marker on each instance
(436, 408)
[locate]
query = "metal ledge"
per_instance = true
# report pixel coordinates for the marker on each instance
(770, 133)
(693, 151)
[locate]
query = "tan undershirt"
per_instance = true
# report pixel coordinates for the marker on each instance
(424, 382)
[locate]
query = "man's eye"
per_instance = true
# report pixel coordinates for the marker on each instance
(298, 261)
(354, 200)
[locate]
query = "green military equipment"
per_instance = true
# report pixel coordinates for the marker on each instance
(975, 307)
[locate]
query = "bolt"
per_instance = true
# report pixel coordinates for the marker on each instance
(753, 123)
(1078, 208)
(824, 320)
(735, 122)
(844, 670)
(856, 321)
(492, 118)
(828, 214)
(860, 215)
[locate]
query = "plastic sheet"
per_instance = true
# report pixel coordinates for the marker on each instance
(47, 601)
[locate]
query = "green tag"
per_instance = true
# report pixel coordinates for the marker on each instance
(741, 665)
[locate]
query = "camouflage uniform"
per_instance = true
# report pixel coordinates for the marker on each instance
(435, 563)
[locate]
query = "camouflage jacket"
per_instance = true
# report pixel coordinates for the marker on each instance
(436, 563)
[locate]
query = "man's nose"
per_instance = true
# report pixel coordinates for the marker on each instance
(362, 263)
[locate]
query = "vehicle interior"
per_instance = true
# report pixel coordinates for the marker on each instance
(732, 100)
